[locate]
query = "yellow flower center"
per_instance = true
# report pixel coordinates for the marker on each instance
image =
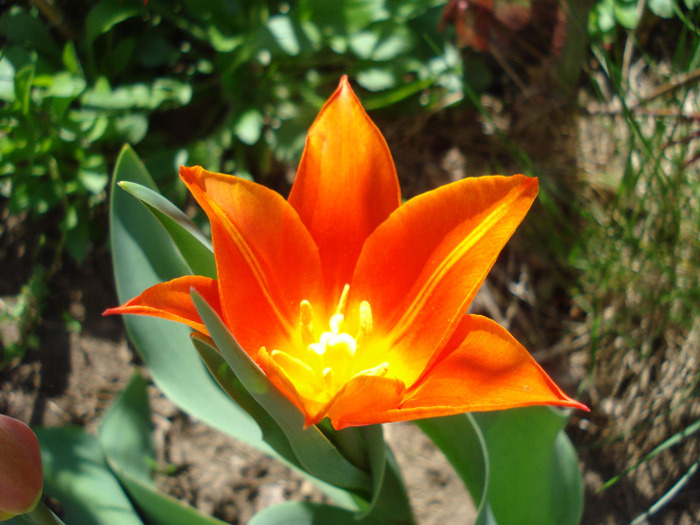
(328, 360)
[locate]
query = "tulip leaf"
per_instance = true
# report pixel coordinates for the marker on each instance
(125, 436)
(533, 466)
(461, 440)
(77, 475)
(518, 465)
(272, 433)
(308, 513)
(316, 454)
(390, 503)
(143, 256)
(193, 245)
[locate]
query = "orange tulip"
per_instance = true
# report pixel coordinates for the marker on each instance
(351, 303)
(21, 474)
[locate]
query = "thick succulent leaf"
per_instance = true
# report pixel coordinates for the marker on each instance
(532, 466)
(316, 454)
(461, 440)
(193, 245)
(390, 503)
(272, 433)
(143, 256)
(307, 513)
(125, 436)
(77, 475)
(518, 465)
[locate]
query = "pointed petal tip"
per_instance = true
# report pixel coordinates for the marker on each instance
(578, 405)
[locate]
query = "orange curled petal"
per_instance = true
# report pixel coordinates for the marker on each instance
(346, 184)
(364, 400)
(266, 260)
(281, 379)
(171, 300)
(422, 267)
(485, 369)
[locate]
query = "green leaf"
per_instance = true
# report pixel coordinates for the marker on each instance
(7, 80)
(71, 60)
(317, 455)
(136, 96)
(26, 29)
(396, 95)
(662, 8)
(376, 79)
(125, 436)
(66, 85)
(249, 126)
(461, 441)
(518, 465)
(107, 14)
(307, 513)
(76, 474)
(193, 245)
(23, 87)
(390, 503)
(284, 34)
(272, 433)
(143, 256)
(626, 13)
(131, 127)
(532, 465)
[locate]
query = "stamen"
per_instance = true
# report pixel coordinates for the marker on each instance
(335, 323)
(366, 321)
(342, 303)
(344, 342)
(306, 317)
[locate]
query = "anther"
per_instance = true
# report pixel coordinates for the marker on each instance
(306, 315)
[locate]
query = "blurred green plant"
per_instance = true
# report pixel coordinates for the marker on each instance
(608, 16)
(60, 126)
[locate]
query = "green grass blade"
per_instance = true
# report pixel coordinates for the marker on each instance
(670, 442)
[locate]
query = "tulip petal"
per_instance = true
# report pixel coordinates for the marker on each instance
(266, 261)
(365, 400)
(346, 184)
(482, 368)
(287, 385)
(422, 267)
(171, 300)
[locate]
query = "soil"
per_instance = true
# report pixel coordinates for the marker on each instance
(73, 376)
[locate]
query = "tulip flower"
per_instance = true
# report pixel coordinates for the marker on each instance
(353, 304)
(21, 476)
